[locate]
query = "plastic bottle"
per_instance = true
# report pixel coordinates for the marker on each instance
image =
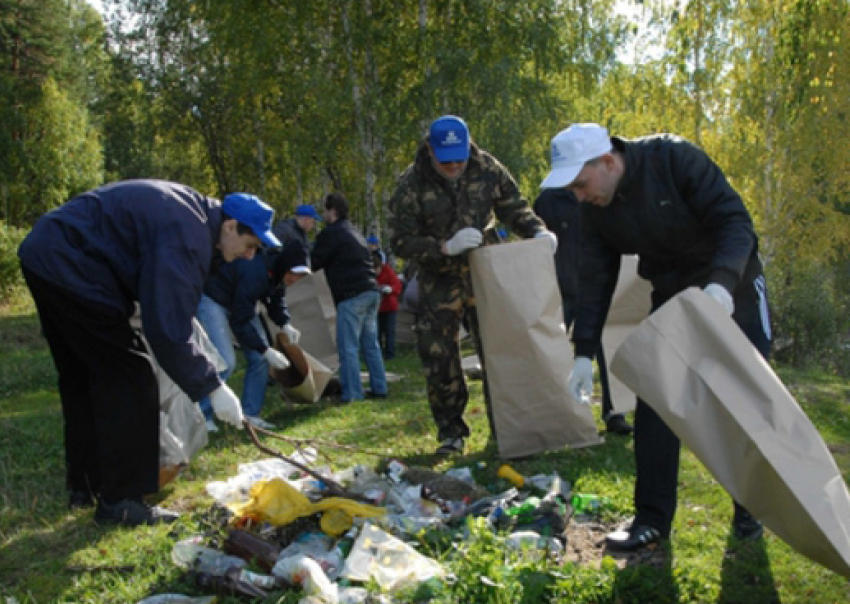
(190, 554)
(346, 542)
(524, 512)
(533, 543)
(587, 503)
(250, 547)
(537, 485)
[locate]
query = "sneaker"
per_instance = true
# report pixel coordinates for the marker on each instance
(745, 526)
(375, 395)
(78, 500)
(453, 444)
(616, 424)
(211, 427)
(636, 537)
(132, 512)
(259, 422)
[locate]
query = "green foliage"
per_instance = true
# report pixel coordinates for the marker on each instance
(10, 268)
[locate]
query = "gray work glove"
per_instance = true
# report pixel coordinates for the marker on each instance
(464, 239)
(226, 406)
(276, 359)
(580, 382)
(553, 239)
(722, 295)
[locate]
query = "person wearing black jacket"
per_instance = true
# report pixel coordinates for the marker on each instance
(228, 305)
(559, 209)
(342, 252)
(664, 199)
(87, 264)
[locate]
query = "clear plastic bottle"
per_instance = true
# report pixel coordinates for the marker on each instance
(190, 554)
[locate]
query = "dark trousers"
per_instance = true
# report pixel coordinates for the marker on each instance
(108, 391)
(386, 333)
(656, 446)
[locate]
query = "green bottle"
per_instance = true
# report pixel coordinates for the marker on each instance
(586, 503)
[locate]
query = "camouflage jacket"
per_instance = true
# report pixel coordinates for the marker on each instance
(427, 209)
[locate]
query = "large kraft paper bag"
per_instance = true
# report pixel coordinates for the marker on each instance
(527, 355)
(692, 364)
(305, 379)
(312, 311)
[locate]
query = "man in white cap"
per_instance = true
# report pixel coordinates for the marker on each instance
(87, 264)
(445, 202)
(664, 199)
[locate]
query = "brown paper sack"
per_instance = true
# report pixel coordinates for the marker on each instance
(700, 373)
(526, 352)
(313, 313)
(630, 305)
(305, 378)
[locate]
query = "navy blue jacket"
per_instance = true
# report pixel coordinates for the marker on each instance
(341, 250)
(239, 285)
(289, 232)
(675, 209)
(145, 240)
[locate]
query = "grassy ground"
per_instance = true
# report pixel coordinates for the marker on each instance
(48, 554)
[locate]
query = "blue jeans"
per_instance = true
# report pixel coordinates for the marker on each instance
(357, 331)
(214, 319)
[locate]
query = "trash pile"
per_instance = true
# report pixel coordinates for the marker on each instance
(286, 529)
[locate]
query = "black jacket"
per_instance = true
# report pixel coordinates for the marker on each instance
(673, 208)
(342, 252)
(559, 209)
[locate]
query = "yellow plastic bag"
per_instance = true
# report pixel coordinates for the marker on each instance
(279, 503)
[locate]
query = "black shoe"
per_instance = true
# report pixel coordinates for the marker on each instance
(453, 444)
(375, 395)
(78, 500)
(637, 537)
(132, 512)
(616, 424)
(745, 526)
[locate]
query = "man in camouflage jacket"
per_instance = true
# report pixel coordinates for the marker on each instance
(445, 202)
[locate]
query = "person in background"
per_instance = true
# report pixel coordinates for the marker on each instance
(664, 199)
(373, 243)
(341, 251)
(229, 305)
(443, 202)
(390, 287)
(295, 230)
(87, 264)
(559, 209)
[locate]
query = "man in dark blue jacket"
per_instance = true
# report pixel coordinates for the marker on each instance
(87, 264)
(559, 209)
(229, 304)
(294, 230)
(341, 251)
(662, 198)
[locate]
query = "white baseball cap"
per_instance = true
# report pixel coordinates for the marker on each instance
(571, 149)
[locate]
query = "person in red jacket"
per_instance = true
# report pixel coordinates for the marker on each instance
(390, 287)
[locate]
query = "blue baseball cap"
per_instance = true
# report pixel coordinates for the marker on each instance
(373, 239)
(308, 211)
(253, 213)
(449, 138)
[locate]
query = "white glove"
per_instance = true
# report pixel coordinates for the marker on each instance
(464, 239)
(291, 333)
(276, 359)
(553, 239)
(226, 405)
(580, 382)
(722, 295)
(387, 289)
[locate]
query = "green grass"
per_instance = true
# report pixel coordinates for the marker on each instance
(48, 554)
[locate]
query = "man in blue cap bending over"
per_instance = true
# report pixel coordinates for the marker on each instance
(87, 264)
(294, 230)
(445, 201)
